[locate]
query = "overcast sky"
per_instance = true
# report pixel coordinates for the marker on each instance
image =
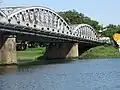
(104, 11)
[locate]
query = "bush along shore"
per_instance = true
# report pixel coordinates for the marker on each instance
(104, 51)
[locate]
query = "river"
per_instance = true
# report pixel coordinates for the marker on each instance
(96, 74)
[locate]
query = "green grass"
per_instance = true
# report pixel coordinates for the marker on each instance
(101, 52)
(30, 54)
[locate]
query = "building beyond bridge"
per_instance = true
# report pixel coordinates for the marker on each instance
(42, 24)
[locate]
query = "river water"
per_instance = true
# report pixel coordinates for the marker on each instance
(98, 74)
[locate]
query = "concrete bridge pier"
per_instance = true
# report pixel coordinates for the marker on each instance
(7, 49)
(62, 51)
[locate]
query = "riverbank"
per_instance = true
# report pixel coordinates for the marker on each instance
(101, 52)
(31, 55)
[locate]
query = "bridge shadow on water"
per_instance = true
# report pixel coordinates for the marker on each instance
(42, 61)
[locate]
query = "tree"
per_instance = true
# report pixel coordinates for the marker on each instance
(72, 17)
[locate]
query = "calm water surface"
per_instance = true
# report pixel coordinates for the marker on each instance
(99, 74)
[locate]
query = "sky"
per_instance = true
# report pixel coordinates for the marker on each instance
(104, 11)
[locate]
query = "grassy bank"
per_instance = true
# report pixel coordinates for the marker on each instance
(101, 52)
(30, 54)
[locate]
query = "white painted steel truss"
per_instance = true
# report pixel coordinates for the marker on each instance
(42, 18)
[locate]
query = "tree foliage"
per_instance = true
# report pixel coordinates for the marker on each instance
(111, 30)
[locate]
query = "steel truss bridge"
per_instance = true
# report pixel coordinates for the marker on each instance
(42, 22)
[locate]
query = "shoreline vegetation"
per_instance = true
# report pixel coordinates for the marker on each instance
(99, 52)
(32, 55)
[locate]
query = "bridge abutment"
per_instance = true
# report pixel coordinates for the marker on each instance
(7, 49)
(62, 51)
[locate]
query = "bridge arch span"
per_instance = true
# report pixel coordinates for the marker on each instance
(41, 18)
(85, 31)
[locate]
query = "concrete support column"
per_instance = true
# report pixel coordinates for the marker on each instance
(8, 49)
(62, 51)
